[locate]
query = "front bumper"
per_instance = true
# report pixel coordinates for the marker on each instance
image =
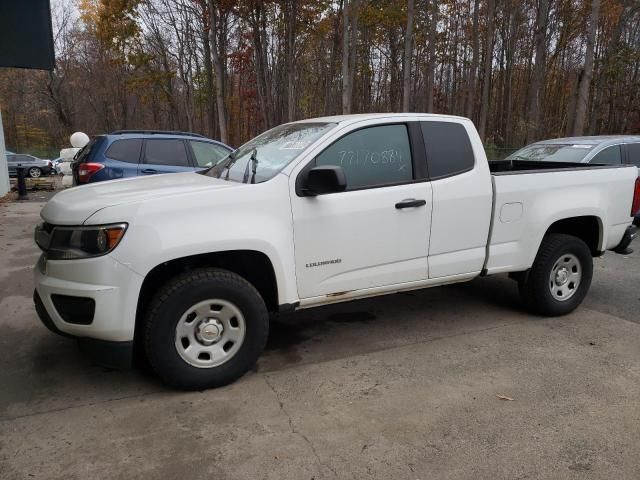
(112, 286)
(118, 355)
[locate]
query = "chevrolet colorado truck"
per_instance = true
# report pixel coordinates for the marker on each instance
(187, 268)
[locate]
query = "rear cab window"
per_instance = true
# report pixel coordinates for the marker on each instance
(448, 149)
(633, 154)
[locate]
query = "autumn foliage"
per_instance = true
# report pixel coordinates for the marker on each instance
(521, 69)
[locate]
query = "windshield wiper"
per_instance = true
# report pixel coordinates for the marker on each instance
(254, 167)
(226, 164)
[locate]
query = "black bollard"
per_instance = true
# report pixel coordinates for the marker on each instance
(22, 186)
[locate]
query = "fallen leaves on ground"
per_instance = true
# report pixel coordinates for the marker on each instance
(504, 397)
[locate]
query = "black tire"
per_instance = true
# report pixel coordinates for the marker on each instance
(534, 286)
(171, 303)
(32, 172)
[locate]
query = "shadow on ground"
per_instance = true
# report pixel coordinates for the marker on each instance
(49, 372)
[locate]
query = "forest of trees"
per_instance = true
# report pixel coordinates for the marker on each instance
(521, 69)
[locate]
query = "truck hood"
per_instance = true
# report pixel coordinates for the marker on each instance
(75, 205)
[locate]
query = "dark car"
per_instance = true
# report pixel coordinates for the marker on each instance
(131, 153)
(34, 167)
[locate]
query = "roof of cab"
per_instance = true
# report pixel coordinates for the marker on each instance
(355, 117)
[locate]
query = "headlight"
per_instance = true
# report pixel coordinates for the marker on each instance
(66, 243)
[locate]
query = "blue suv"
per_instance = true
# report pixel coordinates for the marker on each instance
(130, 153)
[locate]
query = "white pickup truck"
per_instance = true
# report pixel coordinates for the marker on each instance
(186, 268)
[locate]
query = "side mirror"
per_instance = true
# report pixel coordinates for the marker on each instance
(324, 179)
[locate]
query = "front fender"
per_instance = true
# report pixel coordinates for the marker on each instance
(255, 217)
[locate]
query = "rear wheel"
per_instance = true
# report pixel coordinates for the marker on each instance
(205, 329)
(560, 276)
(34, 172)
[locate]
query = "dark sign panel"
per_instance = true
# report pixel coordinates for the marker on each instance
(26, 39)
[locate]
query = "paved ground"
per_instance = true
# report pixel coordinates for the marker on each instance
(398, 387)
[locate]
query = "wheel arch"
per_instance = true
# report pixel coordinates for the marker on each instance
(588, 228)
(254, 266)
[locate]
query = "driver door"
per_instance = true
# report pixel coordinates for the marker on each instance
(376, 233)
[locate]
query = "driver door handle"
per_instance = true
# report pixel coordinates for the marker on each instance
(411, 203)
(149, 171)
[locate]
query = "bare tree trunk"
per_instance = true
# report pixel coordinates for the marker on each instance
(354, 49)
(536, 87)
(208, 73)
(475, 61)
(208, 70)
(328, 103)
(53, 90)
(346, 100)
(431, 61)
(291, 35)
(349, 50)
(486, 81)
(255, 20)
(508, 94)
(582, 99)
(614, 43)
(574, 80)
(406, 66)
(219, 70)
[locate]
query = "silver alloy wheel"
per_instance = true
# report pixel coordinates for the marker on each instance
(34, 172)
(565, 277)
(210, 333)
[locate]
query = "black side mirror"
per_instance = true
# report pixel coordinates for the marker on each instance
(324, 179)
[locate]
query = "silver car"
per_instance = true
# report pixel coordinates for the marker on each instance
(34, 167)
(604, 149)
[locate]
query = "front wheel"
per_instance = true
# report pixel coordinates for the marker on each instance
(560, 276)
(205, 329)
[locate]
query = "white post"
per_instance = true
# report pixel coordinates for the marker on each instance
(4, 169)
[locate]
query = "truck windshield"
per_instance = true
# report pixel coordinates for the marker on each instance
(263, 157)
(556, 152)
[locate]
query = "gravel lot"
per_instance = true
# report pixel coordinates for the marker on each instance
(404, 386)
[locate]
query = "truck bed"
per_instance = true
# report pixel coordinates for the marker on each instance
(531, 196)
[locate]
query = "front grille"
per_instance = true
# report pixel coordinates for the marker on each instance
(77, 310)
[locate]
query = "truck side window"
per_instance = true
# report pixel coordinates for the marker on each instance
(448, 149)
(633, 150)
(608, 156)
(373, 156)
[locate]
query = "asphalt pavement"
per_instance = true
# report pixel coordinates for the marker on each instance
(457, 382)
